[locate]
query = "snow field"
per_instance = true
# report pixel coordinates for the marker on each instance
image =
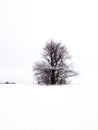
(33, 107)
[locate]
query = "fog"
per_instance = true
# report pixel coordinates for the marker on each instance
(26, 25)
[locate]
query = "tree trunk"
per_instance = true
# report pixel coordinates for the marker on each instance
(53, 77)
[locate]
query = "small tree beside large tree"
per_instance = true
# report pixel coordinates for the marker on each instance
(54, 69)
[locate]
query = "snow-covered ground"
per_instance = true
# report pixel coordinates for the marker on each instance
(32, 107)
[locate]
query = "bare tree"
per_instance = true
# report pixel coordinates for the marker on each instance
(54, 69)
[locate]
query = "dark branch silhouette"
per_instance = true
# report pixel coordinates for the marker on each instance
(54, 69)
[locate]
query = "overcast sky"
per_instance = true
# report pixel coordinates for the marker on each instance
(26, 25)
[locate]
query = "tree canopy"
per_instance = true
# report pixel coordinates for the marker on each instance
(54, 69)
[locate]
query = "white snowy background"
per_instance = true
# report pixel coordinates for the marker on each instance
(25, 27)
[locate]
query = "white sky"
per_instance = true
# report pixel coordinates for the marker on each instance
(25, 26)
